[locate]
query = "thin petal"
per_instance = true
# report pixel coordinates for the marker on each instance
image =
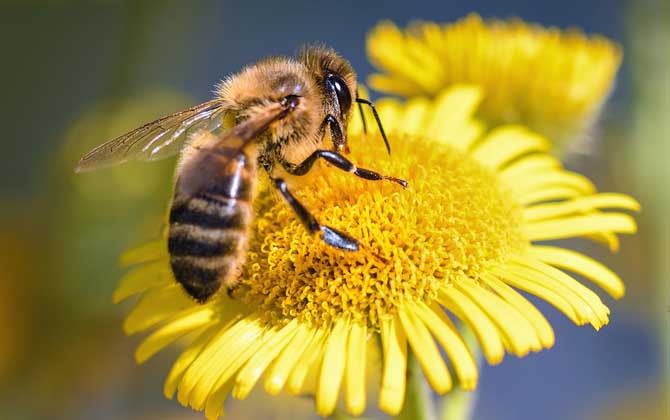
(392, 84)
(573, 226)
(546, 194)
(289, 356)
(544, 330)
(214, 408)
(519, 334)
(527, 166)
(155, 274)
(332, 368)
(354, 384)
(394, 343)
(186, 358)
(314, 353)
(272, 344)
(218, 360)
(580, 264)
(580, 205)
(425, 351)
(487, 333)
(176, 328)
(505, 143)
(587, 295)
(530, 186)
(415, 114)
(149, 251)
(451, 119)
(514, 276)
(155, 306)
(446, 334)
(390, 112)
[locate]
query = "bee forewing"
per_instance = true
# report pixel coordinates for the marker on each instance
(196, 174)
(155, 140)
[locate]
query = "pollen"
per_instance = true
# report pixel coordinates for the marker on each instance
(453, 221)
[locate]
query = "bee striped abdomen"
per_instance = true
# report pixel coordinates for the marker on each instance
(208, 232)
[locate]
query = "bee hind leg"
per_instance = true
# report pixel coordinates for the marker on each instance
(329, 235)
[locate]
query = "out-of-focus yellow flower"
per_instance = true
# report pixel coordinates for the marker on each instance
(460, 242)
(552, 81)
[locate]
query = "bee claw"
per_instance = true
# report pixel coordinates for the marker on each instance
(402, 182)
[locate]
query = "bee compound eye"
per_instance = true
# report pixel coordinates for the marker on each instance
(335, 84)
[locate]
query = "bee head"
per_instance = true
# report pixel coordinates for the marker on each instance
(336, 81)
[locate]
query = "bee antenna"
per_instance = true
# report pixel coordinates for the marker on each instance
(360, 110)
(379, 122)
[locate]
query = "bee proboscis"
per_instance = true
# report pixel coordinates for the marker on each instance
(274, 115)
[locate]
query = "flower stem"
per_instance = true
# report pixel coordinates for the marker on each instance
(418, 404)
(460, 404)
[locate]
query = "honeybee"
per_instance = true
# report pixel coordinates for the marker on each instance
(275, 115)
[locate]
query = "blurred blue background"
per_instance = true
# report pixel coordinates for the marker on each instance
(76, 73)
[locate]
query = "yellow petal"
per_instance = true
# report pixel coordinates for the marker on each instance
(181, 325)
(390, 112)
(609, 239)
(451, 118)
(414, 116)
(533, 185)
(214, 408)
(487, 333)
(518, 277)
(579, 205)
(582, 265)
(155, 306)
(187, 356)
(587, 295)
(354, 384)
(544, 330)
(546, 194)
(332, 368)
(520, 335)
(274, 342)
(394, 343)
(449, 338)
(528, 165)
(505, 143)
(144, 253)
(569, 227)
(313, 354)
(155, 274)
(224, 352)
(279, 371)
(392, 84)
(425, 351)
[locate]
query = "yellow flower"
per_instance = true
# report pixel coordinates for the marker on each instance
(552, 81)
(458, 244)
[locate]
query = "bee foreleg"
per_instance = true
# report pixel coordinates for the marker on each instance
(329, 235)
(340, 162)
(335, 132)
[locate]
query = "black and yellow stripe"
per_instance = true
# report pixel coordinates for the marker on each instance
(208, 232)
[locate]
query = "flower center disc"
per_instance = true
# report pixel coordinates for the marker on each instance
(453, 220)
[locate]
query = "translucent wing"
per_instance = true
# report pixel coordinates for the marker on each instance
(199, 172)
(157, 139)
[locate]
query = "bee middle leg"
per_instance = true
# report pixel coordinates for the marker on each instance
(339, 161)
(329, 235)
